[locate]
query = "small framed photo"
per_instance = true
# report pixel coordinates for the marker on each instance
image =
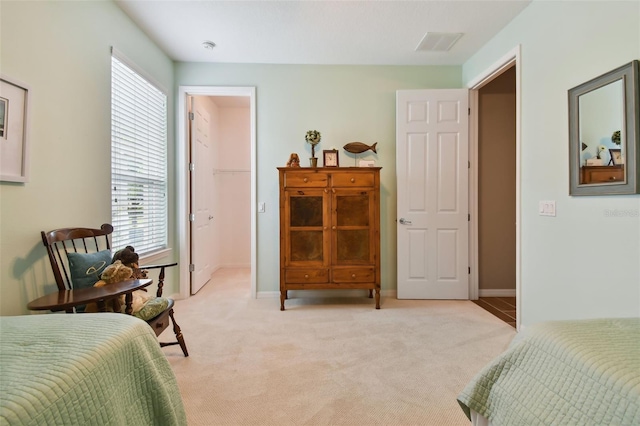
(616, 156)
(330, 157)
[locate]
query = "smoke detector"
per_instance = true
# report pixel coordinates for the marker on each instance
(438, 42)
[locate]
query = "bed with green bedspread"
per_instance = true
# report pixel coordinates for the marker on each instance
(89, 369)
(584, 372)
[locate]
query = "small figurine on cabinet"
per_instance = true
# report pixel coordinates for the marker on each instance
(294, 160)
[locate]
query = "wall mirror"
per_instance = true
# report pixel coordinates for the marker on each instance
(604, 134)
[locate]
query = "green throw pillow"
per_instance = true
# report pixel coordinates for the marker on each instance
(152, 308)
(86, 268)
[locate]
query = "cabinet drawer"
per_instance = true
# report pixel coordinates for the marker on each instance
(601, 174)
(352, 179)
(305, 180)
(160, 323)
(354, 275)
(306, 276)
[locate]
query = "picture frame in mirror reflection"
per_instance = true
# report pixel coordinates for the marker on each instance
(616, 156)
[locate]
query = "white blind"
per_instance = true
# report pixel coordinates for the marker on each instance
(138, 161)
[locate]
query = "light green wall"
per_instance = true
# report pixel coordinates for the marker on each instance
(585, 262)
(344, 103)
(62, 50)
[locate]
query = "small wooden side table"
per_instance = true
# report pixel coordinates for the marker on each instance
(67, 299)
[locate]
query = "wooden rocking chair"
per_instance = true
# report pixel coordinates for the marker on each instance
(61, 242)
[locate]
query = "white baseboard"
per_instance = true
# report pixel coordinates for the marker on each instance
(497, 292)
(322, 293)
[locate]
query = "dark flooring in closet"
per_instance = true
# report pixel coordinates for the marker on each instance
(502, 307)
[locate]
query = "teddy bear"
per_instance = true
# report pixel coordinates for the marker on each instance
(115, 273)
(130, 258)
(294, 160)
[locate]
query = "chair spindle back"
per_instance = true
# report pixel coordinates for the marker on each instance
(60, 242)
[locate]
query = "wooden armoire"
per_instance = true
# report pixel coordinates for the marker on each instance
(329, 229)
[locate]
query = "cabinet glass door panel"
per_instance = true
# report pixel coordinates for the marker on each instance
(306, 224)
(353, 210)
(353, 246)
(306, 211)
(351, 224)
(306, 246)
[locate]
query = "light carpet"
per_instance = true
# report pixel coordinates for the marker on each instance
(327, 361)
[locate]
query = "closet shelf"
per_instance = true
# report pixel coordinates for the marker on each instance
(224, 171)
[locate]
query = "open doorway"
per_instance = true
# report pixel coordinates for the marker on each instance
(497, 196)
(216, 183)
(220, 139)
(495, 190)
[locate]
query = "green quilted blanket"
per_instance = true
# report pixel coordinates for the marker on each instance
(89, 369)
(584, 372)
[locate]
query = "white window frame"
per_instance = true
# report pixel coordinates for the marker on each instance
(139, 111)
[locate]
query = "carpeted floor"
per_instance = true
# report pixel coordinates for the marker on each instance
(332, 361)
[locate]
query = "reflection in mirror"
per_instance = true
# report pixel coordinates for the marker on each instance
(601, 115)
(603, 134)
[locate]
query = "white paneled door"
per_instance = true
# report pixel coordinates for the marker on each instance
(432, 153)
(202, 186)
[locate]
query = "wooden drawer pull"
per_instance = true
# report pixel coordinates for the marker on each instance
(353, 275)
(353, 180)
(306, 276)
(305, 180)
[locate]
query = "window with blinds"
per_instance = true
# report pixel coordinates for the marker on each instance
(138, 161)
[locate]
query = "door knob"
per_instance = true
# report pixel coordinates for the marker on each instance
(403, 221)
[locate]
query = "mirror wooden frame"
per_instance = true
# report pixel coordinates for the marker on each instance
(628, 73)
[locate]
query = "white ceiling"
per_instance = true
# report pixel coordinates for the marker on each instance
(366, 32)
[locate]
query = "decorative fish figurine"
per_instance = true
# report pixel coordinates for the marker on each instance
(358, 147)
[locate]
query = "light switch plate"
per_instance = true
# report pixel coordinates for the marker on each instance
(261, 207)
(547, 208)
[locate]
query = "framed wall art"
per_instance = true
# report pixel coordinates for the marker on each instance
(14, 125)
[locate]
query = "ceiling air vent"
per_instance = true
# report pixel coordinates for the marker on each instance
(438, 42)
